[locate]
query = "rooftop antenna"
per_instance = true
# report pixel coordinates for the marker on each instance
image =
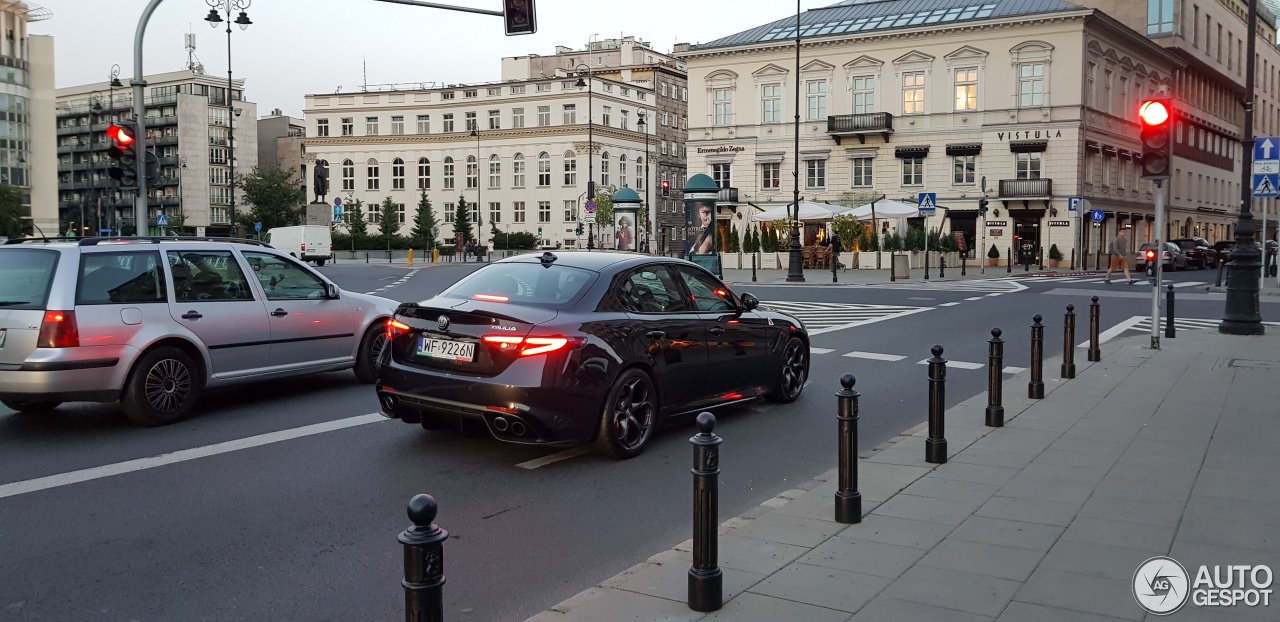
(193, 64)
(364, 61)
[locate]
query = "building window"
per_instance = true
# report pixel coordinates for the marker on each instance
(473, 173)
(371, 126)
(544, 169)
(400, 212)
(662, 118)
(816, 99)
(372, 171)
(913, 92)
(424, 124)
(475, 214)
(720, 173)
(1028, 165)
(495, 119)
(348, 175)
(517, 90)
(517, 210)
(322, 127)
(544, 87)
(664, 147)
(771, 103)
(544, 212)
(470, 93)
(966, 89)
(448, 123)
(568, 210)
(517, 172)
(544, 115)
(397, 174)
(495, 171)
(913, 171)
(471, 122)
(771, 175)
(495, 213)
(448, 173)
(964, 169)
(1031, 86)
(625, 120)
(570, 114)
(517, 117)
(605, 114)
(722, 107)
(622, 171)
(494, 91)
(397, 125)
(663, 89)
(860, 172)
(449, 210)
(604, 169)
(424, 174)
(815, 174)
(348, 126)
(1160, 17)
(570, 168)
(864, 94)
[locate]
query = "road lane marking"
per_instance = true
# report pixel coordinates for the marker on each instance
(1009, 369)
(948, 304)
(402, 281)
(994, 294)
(820, 350)
(1189, 284)
(956, 364)
(141, 464)
(553, 458)
(1112, 332)
(874, 356)
(974, 298)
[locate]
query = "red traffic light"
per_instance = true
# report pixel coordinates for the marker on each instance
(121, 134)
(1151, 254)
(666, 185)
(1154, 112)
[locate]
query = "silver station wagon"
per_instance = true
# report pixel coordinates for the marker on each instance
(152, 322)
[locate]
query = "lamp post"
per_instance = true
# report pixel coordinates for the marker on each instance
(182, 209)
(243, 21)
(1243, 315)
(653, 218)
(475, 133)
(591, 151)
(795, 271)
(111, 105)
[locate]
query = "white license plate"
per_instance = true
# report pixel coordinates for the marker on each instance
(447, 349)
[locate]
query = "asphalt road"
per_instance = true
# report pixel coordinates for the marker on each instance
(305, 528)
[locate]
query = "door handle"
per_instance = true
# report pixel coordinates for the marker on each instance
(279, 313)
(191, 315)
(655, 334)
(716, 330)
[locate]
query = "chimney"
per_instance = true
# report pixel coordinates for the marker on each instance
(680, 47)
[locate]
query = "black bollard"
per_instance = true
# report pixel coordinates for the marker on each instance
(753, 267)
(706, 582)
(1095, 317)
(423, 562)
(1073, 260)
(835, 260)
(1040, 266)
(926, 264)
(964, 261)
(995, 380)
(1069, 343)
(848, 499)
(1169, 330)
(1218, 281)
(935, 447)
(1008, 264)
(892, 269)
(942, 265)
(1035, 388)
(366, 256)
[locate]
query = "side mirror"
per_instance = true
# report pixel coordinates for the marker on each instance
(331, 290)
(749, 302)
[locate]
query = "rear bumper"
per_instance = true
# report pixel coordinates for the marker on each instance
(71, 375)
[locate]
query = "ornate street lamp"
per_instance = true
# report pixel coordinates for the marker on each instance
(591, 151)
(243, 22)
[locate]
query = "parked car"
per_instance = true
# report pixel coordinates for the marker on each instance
(306, 242)
(1173, 257)
(1198, 251)
(1226, 247)
(574, 347)
(152, 322)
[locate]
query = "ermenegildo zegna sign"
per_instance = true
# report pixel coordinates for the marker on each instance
(721, 149)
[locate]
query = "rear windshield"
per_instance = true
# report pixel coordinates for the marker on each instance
(25, 277)
(525, 283)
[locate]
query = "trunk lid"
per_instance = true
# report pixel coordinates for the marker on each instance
(444, 332)
(26, 277)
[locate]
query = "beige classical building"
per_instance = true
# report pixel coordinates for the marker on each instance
(1037, 98)
(524, 169)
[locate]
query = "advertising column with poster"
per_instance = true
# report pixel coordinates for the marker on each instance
(700, 222)
(626, 215)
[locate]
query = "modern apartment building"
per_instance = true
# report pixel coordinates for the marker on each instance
(280, 145)
(188, 128)
(27, 159)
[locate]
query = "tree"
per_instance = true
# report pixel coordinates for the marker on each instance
(424, 221)
(850, 230)
(10, 212)
(276, 196)
(604, 205)
(388, 219)
(734, 243)
(462, 220)
(356, 224)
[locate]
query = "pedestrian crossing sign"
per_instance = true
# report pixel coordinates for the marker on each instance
(928, 201)
(1266, 186)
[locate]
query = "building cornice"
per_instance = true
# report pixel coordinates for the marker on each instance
(466, 105)
(566, 132)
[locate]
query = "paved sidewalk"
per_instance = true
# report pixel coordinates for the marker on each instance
(815, 276)
(1143, 454)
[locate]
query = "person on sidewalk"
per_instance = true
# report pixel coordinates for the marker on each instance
(1120, 255)
(836, 249)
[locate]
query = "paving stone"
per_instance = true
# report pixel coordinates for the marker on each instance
(606, 603)
(994, 457)
(939, 488)
(1035, 421)
(1208, 506)
(1004, 562)
(922, 508)
(918, 534)
(878, 490)
(911, 456)
(963, 591)
(883, 609)
(1140, 490)
(1145, 473)
(1044, 490)
(1035, 536)
(787, 529)
(1014, 444)
(1219, 531)
(756, 556)
(1110, 561)
(1029, 510)
(670, 579)
(1089, 475)
(1080, 592)
(1098, 447)
(1074, 458)
(863, 556)
(1166, 514)
(891, 472)
(821, 586)
(1018, 611)
(979, 473)
(1150, 538)
(750, 607)
(1192, 555)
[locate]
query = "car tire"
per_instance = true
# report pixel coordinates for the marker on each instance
(371, 345)
(31, 407)
(319, 263)
(792, 374)
(163, 387)
(630, 415)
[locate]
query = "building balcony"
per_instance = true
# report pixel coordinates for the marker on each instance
(859, 125)
(72, 130)
(727, 196)
(169, 161)
(161, 121)
(163, 140)
(1026, 188)
(166, 181)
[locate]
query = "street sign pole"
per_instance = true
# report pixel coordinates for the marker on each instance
(1159, 259)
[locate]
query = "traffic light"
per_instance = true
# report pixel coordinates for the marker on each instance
(982, 207)
(666, 188)
(518, 17)
(123, 154)
(539, 231)
(578, 230)
(1156, 118)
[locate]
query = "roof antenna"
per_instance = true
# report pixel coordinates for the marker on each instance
(193, 63)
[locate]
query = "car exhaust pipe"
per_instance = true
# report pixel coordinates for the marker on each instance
(500, 424)
(517, 428)
(389, 403)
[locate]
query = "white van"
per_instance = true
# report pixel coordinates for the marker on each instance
(306, 242)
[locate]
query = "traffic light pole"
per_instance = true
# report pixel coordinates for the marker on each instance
(139, 84)
(1159, 270)
(1242, 315)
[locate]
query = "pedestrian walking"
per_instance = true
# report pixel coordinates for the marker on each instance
(836, 248)
(1120, 255)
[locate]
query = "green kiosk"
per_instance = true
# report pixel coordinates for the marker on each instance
(701, 245)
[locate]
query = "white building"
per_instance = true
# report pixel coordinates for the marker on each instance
(526, 167)
(27, 158)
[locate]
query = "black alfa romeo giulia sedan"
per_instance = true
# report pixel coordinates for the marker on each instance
(576, 347)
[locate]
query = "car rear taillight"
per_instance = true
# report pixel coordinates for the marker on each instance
(529, 346)
(58, 330)
(395, 328)
(490, 298)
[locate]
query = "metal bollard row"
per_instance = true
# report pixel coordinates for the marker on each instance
(848, 499)
(995, 380)
(706, 581)
(1095, 317)
(423, 562)
(1035, 388)
(935, 447)
(1069, 344)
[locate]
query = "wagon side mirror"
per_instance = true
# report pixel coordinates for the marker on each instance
(749, 302)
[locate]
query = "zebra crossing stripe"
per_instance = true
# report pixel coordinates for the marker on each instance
(956, 364)
(1014, 370)
(874, 356)
(820, 350)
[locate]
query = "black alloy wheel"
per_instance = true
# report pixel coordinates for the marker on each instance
(371, 348)
(793, 373)
(630, 412)
(163, 387)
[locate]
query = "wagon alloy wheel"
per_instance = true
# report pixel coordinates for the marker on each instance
(633, 414)
(168, 386)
